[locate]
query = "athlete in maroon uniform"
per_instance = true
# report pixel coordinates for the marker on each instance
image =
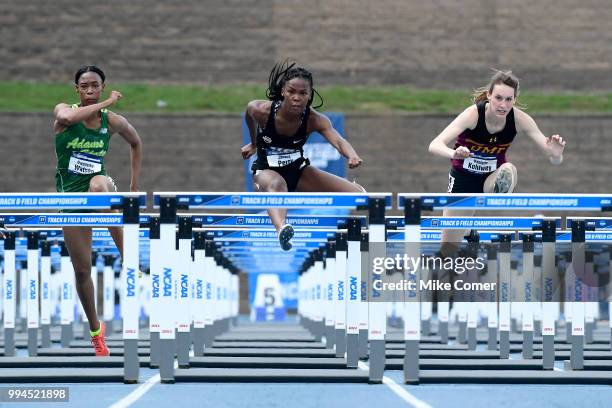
(482, 134)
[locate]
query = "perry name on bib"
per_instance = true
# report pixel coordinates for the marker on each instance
(82, 164)
(480, 165)
(278, 157)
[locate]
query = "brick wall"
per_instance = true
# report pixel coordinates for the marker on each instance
(202, 152)
(563, 44)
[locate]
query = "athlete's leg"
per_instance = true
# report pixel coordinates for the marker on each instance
(78, 242)
(502, 180)
(316, 180)
(104, 184)
(270, 181)
(451, 238)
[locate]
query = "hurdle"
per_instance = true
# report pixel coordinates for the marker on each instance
(129, 202)
(259, 201)
(415, 203)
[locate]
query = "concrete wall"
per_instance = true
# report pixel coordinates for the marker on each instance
(202, 152)
(563, 44)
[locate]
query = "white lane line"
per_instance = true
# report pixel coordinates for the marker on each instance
(135, 395)
(399, 390)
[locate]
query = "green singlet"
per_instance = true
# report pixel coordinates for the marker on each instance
(80, 155)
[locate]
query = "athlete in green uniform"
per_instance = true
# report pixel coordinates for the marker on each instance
(82, 134)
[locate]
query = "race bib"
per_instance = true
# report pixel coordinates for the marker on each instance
(480, 165)
(282, 157)
(82, 164)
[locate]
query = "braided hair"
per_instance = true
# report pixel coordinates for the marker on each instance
(286, 71)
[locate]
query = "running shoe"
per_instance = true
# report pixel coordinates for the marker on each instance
(284, 236)
(99, 342)
(503, 181)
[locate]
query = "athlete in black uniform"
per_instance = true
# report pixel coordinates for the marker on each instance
(483, 133)
(279, 128)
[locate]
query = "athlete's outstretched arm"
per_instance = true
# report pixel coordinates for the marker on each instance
(465, 120)
(120, 125)
(253, 109)
(323, 125)
(551, 146)
(65, 115)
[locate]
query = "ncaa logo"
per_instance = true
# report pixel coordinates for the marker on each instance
(480, 201)
(104, 131)
(435, 223)
(267, 139)
(42, 219)
(443, 200)
(235, 200)
(240, 220)
(198, 199)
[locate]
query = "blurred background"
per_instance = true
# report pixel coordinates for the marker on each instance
(397, 71)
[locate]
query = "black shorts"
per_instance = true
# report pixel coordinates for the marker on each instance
(461, 182)
(291, 173)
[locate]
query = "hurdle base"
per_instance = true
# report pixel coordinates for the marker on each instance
(131, 362)
(377, 361)
(589, 327)
(363, 344)
(548, 352)
(504, 344)
(155, 350)
(330, 337)
(32, 341)
(209, 335)
(527, 345)
(85, 329)
(340, 342)
(198, 341)
(66, 335)
(513, 325)
(568, 332)
(318, 330)
(577, 353)
(537, 328)
(471, 338)
(182, 349)
(443, 332)
(411, 362)
(352, 350)
(462, 335)
(492, 340)
(166, 360)
(45, 333)
(9, 342)
(110, 326)
(425, 327)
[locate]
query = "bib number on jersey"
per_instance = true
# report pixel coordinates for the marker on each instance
(83, 164)
(282, 157)
(480, 165)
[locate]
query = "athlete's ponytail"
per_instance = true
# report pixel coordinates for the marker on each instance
(286, 71)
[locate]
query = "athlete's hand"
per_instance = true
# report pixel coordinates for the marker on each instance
(461, 153)
(354, 161)
(555, 145)
(248, 150)
(114, 97)
(2, 231)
